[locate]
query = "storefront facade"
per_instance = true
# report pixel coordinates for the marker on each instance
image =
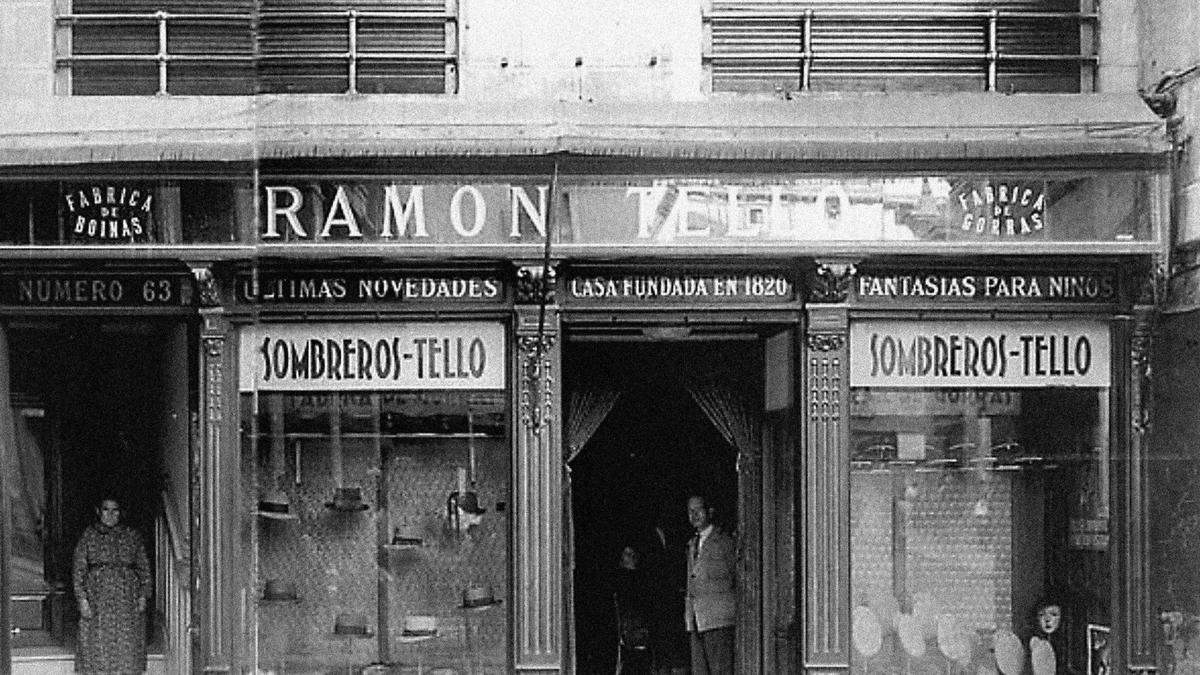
(923, 385)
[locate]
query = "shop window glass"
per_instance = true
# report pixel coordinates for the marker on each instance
(969, 508)
(377, 529)
(916, 45)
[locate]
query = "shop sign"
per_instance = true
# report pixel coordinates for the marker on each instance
(94, 290)
(684, 211)
(998, 208)
(1089, 534)
(724, 213)
(960, 402)
(682, 288)
(404, 213)
(375, 356)
(108, 212)
(364, 287)
(997, 286)
(962, 354)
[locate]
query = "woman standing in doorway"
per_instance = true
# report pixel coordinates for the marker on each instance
(112, 585)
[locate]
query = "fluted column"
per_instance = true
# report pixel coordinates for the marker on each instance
(1134, 616)
(214, 480)
(538, 630)
(826, 535)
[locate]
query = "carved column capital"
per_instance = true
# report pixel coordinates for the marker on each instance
(536, 283)
(208, 292)
(538, 383)
(829, 282)
(826, 342)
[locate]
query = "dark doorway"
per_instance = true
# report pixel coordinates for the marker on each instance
(87, 407)
(631, 481)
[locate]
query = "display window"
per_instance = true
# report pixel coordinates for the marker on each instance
(378, 521)
(979, 514)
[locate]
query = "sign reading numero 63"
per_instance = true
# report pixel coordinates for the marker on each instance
(340, 357)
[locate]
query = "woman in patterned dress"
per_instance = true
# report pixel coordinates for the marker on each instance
(112, 585)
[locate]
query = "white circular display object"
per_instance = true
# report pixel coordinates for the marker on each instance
(886, 608)
(1041, 655)
(867, 634)
(912, 638)
(953, 642)
(1010, 655)
(925, 610)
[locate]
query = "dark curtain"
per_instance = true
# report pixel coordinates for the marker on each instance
(587, 408)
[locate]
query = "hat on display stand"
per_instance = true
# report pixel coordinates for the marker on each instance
(276, 505)
(347, 499)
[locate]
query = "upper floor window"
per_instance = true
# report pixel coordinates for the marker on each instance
(785, 46)
(231, 47)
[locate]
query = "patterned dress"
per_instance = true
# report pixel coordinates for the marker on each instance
(111, 572)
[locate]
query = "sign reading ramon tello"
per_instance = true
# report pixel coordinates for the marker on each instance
(979, 354)
(342, 357)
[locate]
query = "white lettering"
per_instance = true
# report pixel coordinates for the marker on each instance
(522, 203)
(289, 211)
(456, 210)
(341, 215)
(413, 208)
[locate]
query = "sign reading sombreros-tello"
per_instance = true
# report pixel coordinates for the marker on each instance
(340, 357)
(979, 354)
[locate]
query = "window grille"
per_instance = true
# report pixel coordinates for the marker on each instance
(922, 45)
(368, 46)
(232, 47)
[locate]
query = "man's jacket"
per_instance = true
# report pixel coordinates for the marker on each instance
(711, 600)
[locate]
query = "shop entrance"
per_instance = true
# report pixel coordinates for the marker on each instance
(99, 409)
(648, 424)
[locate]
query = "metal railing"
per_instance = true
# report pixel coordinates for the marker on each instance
(173, 600)
(352, 57)
(808, 23)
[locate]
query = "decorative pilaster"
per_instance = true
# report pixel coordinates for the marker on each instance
(538, 630)
(826, 470)
(1134, 612)
(214, 480)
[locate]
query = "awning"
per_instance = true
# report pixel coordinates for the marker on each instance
(826, 127)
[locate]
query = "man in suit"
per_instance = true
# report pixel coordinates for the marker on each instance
(710, 606)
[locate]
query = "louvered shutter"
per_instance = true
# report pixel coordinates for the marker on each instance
(934, 45)
(366, 46)
(115, 44)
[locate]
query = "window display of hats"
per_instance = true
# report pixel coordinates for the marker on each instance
(276, 505)
(347, 499)
(402, 539)
(478, 597)
(418, 627)
(277, 590)
(351, 624)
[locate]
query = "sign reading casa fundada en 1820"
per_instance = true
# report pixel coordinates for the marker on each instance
(960, 354)
(384, 357)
